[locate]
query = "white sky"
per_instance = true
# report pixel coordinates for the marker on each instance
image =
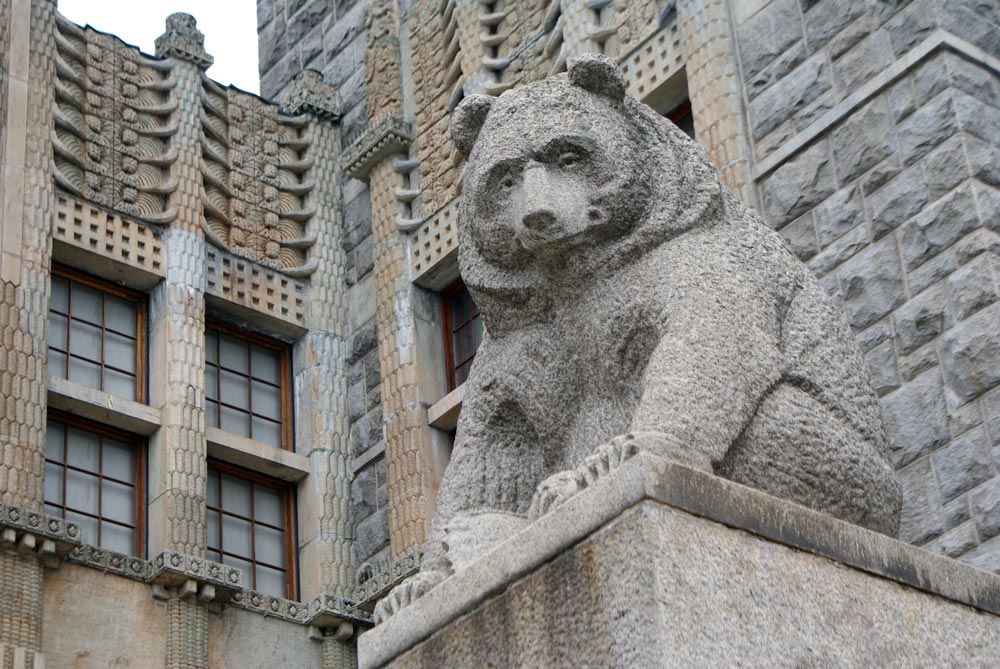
(230, 28)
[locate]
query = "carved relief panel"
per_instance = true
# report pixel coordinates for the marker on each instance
(256, 179)
(114, 118)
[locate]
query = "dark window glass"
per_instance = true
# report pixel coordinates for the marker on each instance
(94, 477)
(683, 118)
(463, 332)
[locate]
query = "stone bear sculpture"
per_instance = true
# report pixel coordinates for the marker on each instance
(631, 302)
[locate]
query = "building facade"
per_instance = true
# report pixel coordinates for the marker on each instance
(235, 333)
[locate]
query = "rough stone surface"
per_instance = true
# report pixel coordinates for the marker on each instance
(631, 303)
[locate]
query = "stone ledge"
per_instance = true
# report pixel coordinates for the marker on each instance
(443, 414)
(32, 532)
(388, 137)
(255, 455)
(380, 577)
(102, 407)
(650, 481)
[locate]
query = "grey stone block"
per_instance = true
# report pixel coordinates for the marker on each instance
(882, 365)
(781, 66)
(986, 556)
(975, 20)
(808, 114)
(280, 75)
(873, 283)
(948, 165)
(955, 542)
(352, 92)
(931, 77)
(364, 493)
(984, 159)
(346, 28)
(976, 118)
(356, 372)
(372, 534)
(928, 127)
(825, 19)
(361, 342)
(918, 362)
(366, 432)
(916, 419)
(840, 250)
(838, 214)
(864, 140)
(798, 185)
(364, 257)
(293, 6)
(988, 200)
(311, 47)
(875, 335)
(866, 59)
(990, 404)
(911, 26)
(357, 221)
(901, 100)
(265, 12)
(956, 512)
(769, 34)
(963, 418)
(353, 124)
(308, 18)
(372, 370)
(271, 45)
(920, 518)
(970, 353)
(974, 79)
(880, 175)
(786, 97)
(932, 271)
(845, 40)
(973, 286)
(963, 464)
(357, 404)
(921, 319)
(800, 235)
(897, 201)
(341, 65)
(984, 504)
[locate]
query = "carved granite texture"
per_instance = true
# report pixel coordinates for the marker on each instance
(183, 40)
(382, 64)
(114, 118)
(256, 180)
(876, 135)
(632, 303)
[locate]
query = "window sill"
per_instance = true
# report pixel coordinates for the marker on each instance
(443, 414)
(255, 455)
(102, 407)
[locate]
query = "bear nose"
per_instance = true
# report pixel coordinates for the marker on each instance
(538, 220)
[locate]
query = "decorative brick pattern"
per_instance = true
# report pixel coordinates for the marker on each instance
(100, 231)
(654, 61)
(248, 284)
(436, 239)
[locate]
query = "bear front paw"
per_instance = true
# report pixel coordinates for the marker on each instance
(553, 491)
(405, 594)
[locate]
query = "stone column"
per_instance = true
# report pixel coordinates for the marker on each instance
(408, 447)
(322, 430)
(715, 90)
(178, 467)
(27, 48)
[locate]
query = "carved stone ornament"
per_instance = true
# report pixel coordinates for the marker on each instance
(183, 41)
(633, 304)
(310, 94)
(389, 137)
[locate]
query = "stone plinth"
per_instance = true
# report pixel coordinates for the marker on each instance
(658, 565)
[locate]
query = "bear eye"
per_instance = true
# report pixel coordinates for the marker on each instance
(507, 182)
(569, 158)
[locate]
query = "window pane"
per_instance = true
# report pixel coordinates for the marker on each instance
(477, 332)
(57, 364)
(83, 449)
(53, 510)
(212, 414)
(87, 525)
(212, 531)
(234, 353)
(85, 373)
(236, 536)
(118, 502)
(120, 315)
(269, 546)
(234, 390)
(267, 432)
(267, 506)
(214, 556)
(462, 373)
(211, 346)
(235, 422)
(266, 400)
(211, 382)
(53, 483)
(57, 331)
(235, 495)
(463, 344)
(85, 340)
(120, 384)
(87, 303)
(60, 294)
(118, 461)
(212, 489)
(459, 307)
(243, 566)
(117, 538)
(266, 364)
(54, 433)
(81, 491)
(119, 352)
(270, 582)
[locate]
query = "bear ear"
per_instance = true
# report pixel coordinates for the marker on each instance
(599, 75)
(467, 120)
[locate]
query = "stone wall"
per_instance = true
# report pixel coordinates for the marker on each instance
(875, 129)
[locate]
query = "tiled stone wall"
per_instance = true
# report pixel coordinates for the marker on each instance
(876, 142)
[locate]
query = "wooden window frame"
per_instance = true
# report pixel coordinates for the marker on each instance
(139, 298)
(447, 331)
(680, 112)
(284, 371)
(287, 491)
(139, 446)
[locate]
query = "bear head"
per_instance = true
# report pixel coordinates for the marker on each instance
(567, 178)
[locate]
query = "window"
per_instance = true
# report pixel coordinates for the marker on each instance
(96, 334)
(463, 332)
(250, 527)
(94, 476)
(246, 388)
(683, 118)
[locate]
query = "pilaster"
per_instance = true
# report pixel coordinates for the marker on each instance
(178, 467)
(27, 71)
